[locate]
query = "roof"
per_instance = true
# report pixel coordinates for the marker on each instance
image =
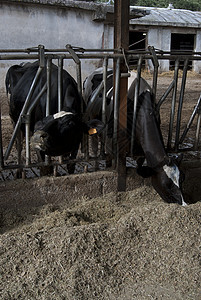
(168, 17)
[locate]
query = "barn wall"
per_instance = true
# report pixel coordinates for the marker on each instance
(160, 38)
(27, 25)
(197, 65)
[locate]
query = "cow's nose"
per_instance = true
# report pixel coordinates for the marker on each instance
(38, 140)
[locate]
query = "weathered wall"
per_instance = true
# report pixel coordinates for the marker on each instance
(25, 25)
(161, 39)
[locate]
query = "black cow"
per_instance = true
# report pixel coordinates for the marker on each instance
(148, 142)
(59, 133)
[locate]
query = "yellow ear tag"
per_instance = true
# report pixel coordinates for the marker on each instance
(92, 131)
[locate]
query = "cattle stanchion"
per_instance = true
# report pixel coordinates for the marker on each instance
(181, 98)
(197, 110)
(103, 140)
(23, 112)
(172, 113)
(1, 143)
(135, 100)
(27, 121)
(155, 74)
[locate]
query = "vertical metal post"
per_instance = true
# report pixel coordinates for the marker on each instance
(116, 109)
(1, 143)
(121, 40)
(49, 65)
(60, 83)
(105, 64)
(155, 75)
(173, 104)
(181, 98)
(135, 100)
(197, 134)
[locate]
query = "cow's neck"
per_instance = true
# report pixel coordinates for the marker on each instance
(149, 136)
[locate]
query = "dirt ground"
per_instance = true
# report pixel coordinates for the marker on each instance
(74, 237)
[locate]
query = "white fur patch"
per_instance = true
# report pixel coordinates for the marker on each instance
(61, 114)
(172, 173)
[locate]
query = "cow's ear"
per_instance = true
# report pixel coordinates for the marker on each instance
(95, 127)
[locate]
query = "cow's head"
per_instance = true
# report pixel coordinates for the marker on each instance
(61, 133)
(166, 180)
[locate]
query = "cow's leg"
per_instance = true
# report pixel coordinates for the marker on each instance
(71, 164)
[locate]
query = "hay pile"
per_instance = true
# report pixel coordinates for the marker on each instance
(121, 246)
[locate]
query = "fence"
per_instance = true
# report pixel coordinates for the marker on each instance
(45, 56)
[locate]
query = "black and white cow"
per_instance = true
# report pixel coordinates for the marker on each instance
(148, 144)
(60, 133)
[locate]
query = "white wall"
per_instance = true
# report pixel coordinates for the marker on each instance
(160, 39)
(197, 64)
(28, 26)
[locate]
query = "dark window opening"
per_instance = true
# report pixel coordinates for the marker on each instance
(137, 41)
(182, 43)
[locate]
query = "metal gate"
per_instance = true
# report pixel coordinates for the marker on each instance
(45, 56)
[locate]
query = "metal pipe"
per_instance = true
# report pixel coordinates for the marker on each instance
(116, 108)
(181, 98)
(135, 101)
(197, 132)
(155, 74)
(23, 112)
(27, 123)
(60, 83)
(49, 67)
(162, 99)
(105, 65)
(195, 111)
(172, 113)
(1, 144)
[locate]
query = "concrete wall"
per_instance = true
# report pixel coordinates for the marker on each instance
(25, 25)
(197, 64)
(160, 38)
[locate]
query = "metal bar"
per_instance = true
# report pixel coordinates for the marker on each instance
(155, 74)
(98, 56)
(172, 113)
(197, 132)
(162, 99)
(23, 112)
(49, 66)
(105, 65)
(116, 108)
(60, 83)
(135, 101)
(181, 99)
(195, 111)
(27, 123)
(1, 143)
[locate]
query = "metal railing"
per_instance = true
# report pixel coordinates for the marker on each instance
(45, 56)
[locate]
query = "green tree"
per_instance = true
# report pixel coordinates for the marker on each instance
(180, 4)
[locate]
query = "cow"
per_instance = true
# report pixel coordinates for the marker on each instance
(148, 143)
(59, 133)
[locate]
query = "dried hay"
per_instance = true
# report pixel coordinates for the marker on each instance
(121, 246)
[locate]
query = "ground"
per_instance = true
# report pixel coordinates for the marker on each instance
(74, 237)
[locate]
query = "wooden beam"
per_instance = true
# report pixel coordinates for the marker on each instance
(121, 41)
